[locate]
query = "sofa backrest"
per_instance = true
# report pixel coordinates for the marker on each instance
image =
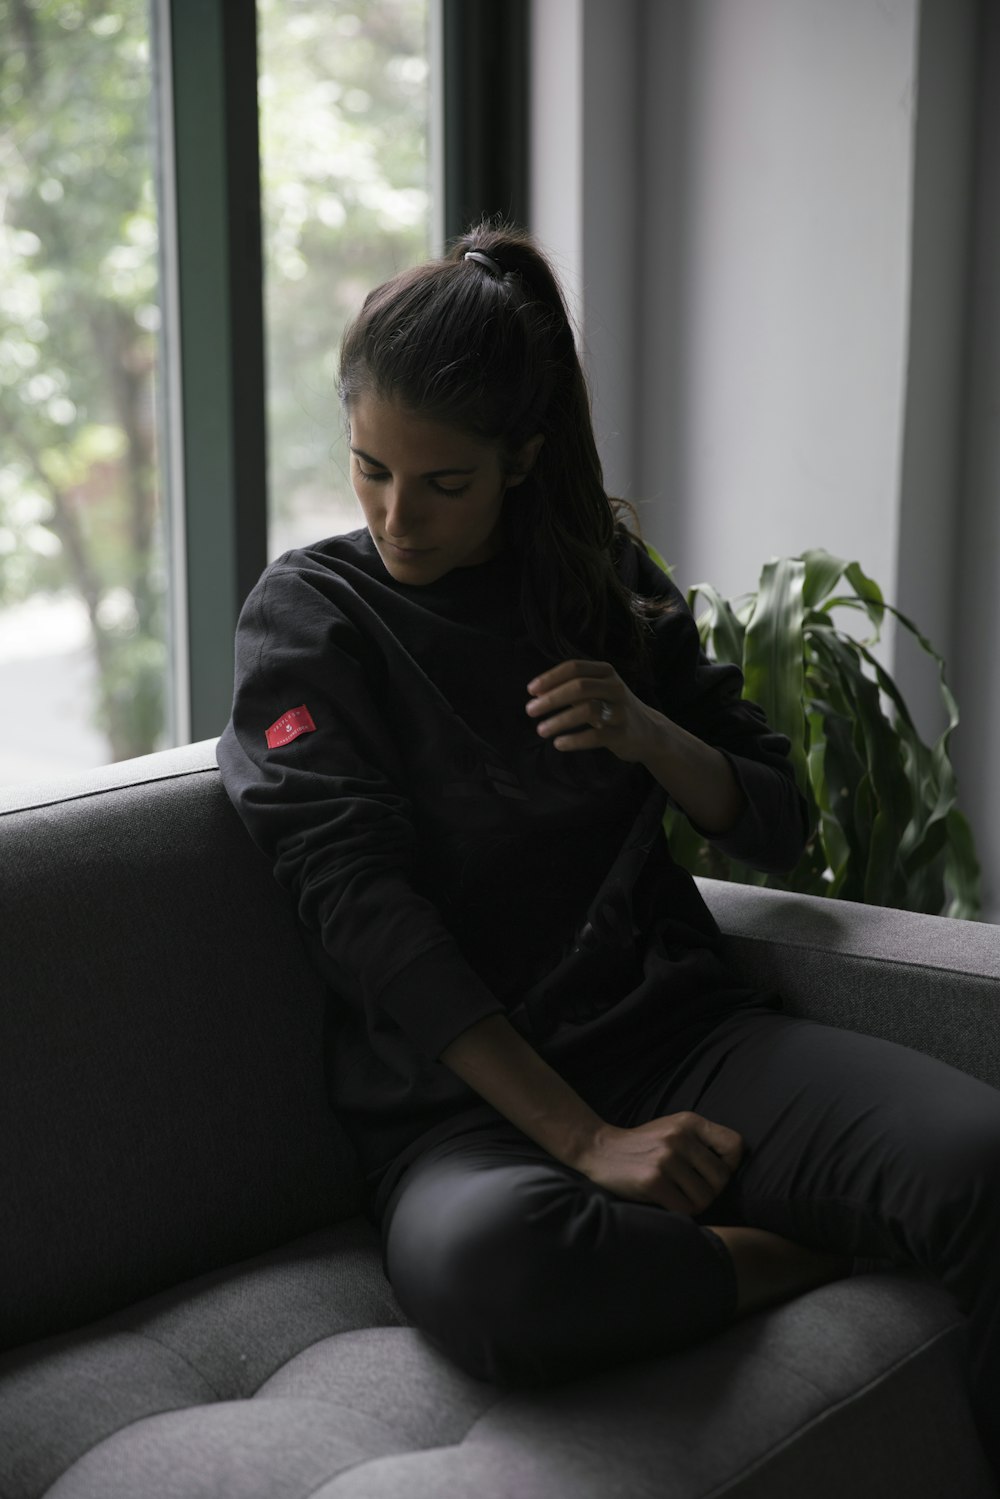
(162, 1107)
(929, 982)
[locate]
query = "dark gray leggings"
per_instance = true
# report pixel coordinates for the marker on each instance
(523, 1271)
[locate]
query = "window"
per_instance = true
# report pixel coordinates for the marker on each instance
(345, 101)
(138, 498)
(82, 561)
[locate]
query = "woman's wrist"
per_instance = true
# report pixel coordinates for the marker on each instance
(698, 777)
(493, 1059)
(583, 1148)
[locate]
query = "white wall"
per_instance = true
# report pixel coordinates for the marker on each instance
(784, 197)
(585, 182)
(558, 179)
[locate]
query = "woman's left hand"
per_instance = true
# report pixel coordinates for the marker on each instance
(585, 705)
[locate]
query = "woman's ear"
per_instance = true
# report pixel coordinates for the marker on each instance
(524, 460)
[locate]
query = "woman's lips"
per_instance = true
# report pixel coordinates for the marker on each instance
(405, 554)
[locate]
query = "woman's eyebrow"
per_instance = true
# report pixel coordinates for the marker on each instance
(360, 453)
(434, 473)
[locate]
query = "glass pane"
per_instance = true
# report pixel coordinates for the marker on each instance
(82, 656)
(345, 121)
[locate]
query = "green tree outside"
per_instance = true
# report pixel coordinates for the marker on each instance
(344, 93)
(345, 107)
(78, 321)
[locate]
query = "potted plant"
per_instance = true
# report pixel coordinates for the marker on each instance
(885, 825)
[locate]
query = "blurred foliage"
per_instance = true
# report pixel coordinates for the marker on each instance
(344, 102)
(78, 321)
(344, 112)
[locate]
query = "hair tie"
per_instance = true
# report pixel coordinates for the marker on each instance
(486, 260)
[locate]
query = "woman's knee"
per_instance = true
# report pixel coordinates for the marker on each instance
(475, 1260)
(954, 1190)
(960, 1148)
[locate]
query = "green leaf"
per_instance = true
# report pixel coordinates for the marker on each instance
(962, 869)
(823, 573)
(868, 592)
(891, 797)
(774, 655)
(835, 847)
(722, 632)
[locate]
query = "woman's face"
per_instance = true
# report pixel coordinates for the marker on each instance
(431, 495)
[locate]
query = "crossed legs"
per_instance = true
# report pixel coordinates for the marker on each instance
(524, 1271)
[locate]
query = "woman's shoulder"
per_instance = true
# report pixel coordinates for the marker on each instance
(333, 569)
(310, 593)
(344, 555)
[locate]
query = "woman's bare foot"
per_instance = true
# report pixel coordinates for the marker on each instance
(770, 1269)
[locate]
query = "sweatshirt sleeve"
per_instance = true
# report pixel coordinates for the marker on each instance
(327, 803)
(706, 699)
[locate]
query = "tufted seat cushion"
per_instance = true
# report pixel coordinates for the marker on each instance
(292, 1375)
(217, 1338)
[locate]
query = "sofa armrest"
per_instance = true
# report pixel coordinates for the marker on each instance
(926, 981)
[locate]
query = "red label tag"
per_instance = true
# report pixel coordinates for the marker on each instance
(289, 726)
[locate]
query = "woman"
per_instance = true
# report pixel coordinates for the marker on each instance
(455, 733)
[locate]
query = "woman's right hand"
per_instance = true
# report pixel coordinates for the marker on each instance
(680, 1161)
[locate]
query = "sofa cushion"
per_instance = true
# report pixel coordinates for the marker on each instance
(163, 1108)
(216, 1338)
(855, 1388)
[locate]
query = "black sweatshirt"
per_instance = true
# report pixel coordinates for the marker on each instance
(446, 862)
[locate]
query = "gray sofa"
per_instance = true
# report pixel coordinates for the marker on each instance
(193, 1304)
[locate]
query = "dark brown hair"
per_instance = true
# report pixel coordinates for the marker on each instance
(492, 351)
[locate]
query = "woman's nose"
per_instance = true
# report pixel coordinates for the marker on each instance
(402, 511)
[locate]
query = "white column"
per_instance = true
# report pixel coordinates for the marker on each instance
(585, 182)
(975, 660)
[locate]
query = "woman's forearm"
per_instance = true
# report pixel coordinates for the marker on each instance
(494, 1060)
(698, 777)
(679, 1161)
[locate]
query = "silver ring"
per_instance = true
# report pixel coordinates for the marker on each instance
(605, 712)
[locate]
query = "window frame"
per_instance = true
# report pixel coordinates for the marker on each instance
(213, 390)
(485, 88)
(213, 354)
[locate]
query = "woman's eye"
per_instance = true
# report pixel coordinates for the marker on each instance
(381, 475)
